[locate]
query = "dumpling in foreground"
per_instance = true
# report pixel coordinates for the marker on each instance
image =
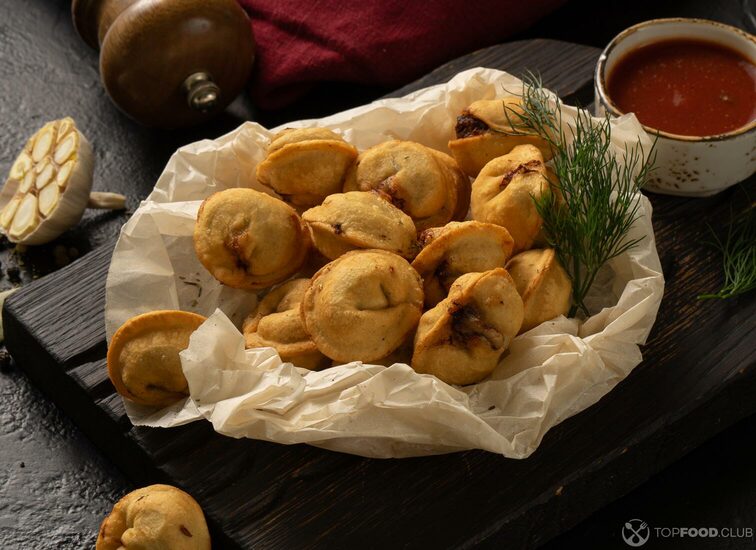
(156, 517)
(456, 249)
(422, 182)
(461, 340)
(247, 239)
(362, 306)
(143, 356)
(305, 165)
(276, 323)
(504, 190)
(543, 284)
(483, 132)
(360, 219)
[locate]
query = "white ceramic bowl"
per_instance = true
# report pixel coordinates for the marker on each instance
(687, 165)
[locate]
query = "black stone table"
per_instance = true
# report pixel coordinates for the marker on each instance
(55, 487)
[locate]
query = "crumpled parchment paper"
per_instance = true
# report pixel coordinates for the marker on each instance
(550, 373)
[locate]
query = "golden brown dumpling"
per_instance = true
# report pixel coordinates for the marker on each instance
(484, 133)
(461, 340)
(415, 178)
(456, 249)
(247, 239)
(503, 194)
(157, 517)
(143, 357)
(305, 165)
(360, 219)
(543, 284)
(276, 323)
(362, 306)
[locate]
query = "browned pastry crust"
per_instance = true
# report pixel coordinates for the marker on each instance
(247, 239)
(362, 306)
(305, 165)
(543, 284)
(456, 249)
(143, 357)
(483, 132)
(157, 517)
(276, 323)
(461, 340)
(504, 190)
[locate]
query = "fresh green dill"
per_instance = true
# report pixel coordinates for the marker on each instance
(738, 249)
(595, 198)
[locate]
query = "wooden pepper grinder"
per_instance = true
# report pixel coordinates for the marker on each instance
(168, 63)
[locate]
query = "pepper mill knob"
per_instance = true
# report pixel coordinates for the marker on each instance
(169, 63)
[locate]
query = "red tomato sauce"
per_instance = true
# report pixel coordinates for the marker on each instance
(685, 87)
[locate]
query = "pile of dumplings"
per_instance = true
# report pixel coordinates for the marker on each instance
(371, 256)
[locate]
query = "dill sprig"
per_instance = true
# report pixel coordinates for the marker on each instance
(595, 198)
(738, 249)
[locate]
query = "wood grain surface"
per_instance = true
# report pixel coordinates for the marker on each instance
(697, 377)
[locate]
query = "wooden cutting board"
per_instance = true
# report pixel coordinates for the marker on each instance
(697, 378)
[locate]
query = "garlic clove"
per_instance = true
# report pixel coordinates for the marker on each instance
(25, 219)
(66, 125)
(43, 142)
(45, 176)
(28, 182)
(48, 199)
(64, 173)
(22, 165)
(66, 147)
(6, 216)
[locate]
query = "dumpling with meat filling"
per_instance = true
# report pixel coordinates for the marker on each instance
(305, 165)
(360, 219)
(483, 132)
(250, 240)
(276, 323)
(362, 306)
(424, 183)
(461, 340)
(543, 284)
(456, 249)
(504, 190)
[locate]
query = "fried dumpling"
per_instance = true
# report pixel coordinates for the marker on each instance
(143, 357)
(424, 183)
(543, 284)
(456, 249)
(483, 132)
(247, 239)
(305, 165)
(504, 190)
(276, 323)
(360, 219)
(461, 340)
(362, 306)
(155, 517)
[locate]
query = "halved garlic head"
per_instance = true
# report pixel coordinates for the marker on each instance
(48, 186)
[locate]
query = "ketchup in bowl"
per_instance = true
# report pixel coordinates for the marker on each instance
(685, 87)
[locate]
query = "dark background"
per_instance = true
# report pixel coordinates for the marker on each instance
(55, 487)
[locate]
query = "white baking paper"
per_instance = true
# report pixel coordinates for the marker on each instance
(550, 373)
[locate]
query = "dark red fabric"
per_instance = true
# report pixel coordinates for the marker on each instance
(376, 42)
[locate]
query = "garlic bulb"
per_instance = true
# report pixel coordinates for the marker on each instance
(49, 185)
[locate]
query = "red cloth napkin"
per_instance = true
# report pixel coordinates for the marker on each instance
(376, 42)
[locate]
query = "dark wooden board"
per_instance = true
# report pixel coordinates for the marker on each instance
(697, 378)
